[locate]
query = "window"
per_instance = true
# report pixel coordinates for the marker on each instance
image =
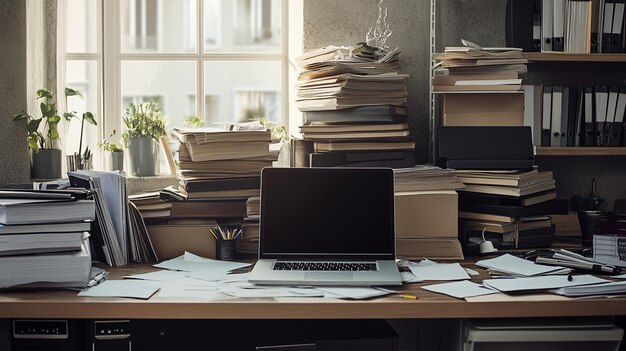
(231, 52)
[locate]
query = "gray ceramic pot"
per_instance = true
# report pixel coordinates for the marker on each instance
(117, 160)
(144, 156)
(46, 164)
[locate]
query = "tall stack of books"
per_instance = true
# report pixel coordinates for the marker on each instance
(44, 239)
(427, 213)
(249, 241)
(512, 208)
(351, 98)
(481, 86)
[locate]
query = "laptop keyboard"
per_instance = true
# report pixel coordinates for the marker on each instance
(324, 266)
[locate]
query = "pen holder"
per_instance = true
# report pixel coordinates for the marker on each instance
(225, 249)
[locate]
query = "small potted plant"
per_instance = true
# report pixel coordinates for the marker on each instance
(44, 143)
(144, 126)
(117, 152)
(82, 160)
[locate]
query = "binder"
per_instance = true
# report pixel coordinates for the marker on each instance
(617, 28)
(558, 25)
(579, 119)
(564, 116)
(557, 101)
(618, 123)
(532, 111)
(519, 24)
(537, 25)
(607, 25)
(546, 116)
(547, 14)
(602, 97)
(597, 19)
(610, 115)
(589, 131)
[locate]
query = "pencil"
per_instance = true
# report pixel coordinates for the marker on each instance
(212, 233)
(412, 297)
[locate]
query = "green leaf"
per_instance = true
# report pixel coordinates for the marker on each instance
(72, 92)
(43, 93)
(33, 125)
(54, 119)
(47, 110)
(32, 142)
(69, 115)
(54, 134)
(20, 116)
(88, 116)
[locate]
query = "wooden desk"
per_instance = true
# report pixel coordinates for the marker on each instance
(66, 304)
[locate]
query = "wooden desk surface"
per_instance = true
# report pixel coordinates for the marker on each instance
(66, 304)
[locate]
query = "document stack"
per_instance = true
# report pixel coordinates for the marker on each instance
(44, 239)
(509, 208)
(566, 116)
(249, 241)
(427, 213)
(351, 98)
(481, 86)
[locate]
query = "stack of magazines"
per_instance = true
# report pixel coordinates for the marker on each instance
(44, 238)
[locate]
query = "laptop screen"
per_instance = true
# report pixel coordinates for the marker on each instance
(327, 212)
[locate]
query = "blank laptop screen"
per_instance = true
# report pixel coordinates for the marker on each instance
(327, 212)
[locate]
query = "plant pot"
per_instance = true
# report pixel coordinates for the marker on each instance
(144, 156)
(117, 160)
(46, 164)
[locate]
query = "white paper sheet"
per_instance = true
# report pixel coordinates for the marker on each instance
(408, 277)
(122, 288)
(429, 270)
(355, 293)
(196, 264)
(460, 290)
(508, 263)
(540, 283)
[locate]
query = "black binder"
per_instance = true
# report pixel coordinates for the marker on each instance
(558, 29)
(610, 113)
(519, 24)
(618, 124)
(546, 121)
(579, 134)
(617, 31)
(597, 13)
(607, 25)
(589, 118)
(601, 104)
(572, 116)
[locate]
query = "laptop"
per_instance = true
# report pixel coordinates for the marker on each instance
(327, 226)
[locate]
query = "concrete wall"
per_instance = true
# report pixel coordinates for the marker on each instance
(14, 160)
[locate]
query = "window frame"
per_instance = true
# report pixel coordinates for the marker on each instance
(109, 57)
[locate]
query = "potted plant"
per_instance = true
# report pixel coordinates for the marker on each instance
(46, 155)
(81, 160)
(144, 126)
(117, 153)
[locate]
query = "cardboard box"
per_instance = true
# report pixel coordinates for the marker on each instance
(427, 214)
(172, 240)
(506, 109)
(441, 249)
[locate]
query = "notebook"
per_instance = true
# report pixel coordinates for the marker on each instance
(327, 226)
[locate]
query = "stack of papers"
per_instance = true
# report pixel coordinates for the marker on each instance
(541, 283)
(515, 266)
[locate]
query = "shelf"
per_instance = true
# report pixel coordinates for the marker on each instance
(581, 151)
(554, 56)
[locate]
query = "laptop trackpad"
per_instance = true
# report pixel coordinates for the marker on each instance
(328, 276)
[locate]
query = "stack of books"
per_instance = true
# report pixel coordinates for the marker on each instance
(426, 178)
(351, 99)
(481, 85)
(511, 207)
(44, 239)
(151, 206)
(248, 243)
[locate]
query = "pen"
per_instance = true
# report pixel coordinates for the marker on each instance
(412, 297)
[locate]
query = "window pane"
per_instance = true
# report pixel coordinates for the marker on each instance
(82, 76)
(81, 26)
(255, 26)
(171, 84)
(158, 26)
(242, 90)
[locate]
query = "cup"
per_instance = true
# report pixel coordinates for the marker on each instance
(225, 249)
(589, 225)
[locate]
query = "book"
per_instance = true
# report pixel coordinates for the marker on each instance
(253, 206)
(37, 243)
(196, 185)
(499, 200)
(319, 127)
(486, 217)
(82, 226)
(511, 191)
(208, 209)
(361, 158)
(223, 150)
(518, 179)
(359, 114)
(38, 211)
(548, 207)
(356, 135)
(498, 227)
(375, 144)
(219, 194)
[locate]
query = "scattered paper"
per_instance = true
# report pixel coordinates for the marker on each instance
(121, 288)
(355, 293)
(471, 271)
(408, 277)
(196, 264)
(172, 290)
(429, 270)
(540, 283)
(604, 289)
(510, 264)
(460, 290)
(273, 292)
